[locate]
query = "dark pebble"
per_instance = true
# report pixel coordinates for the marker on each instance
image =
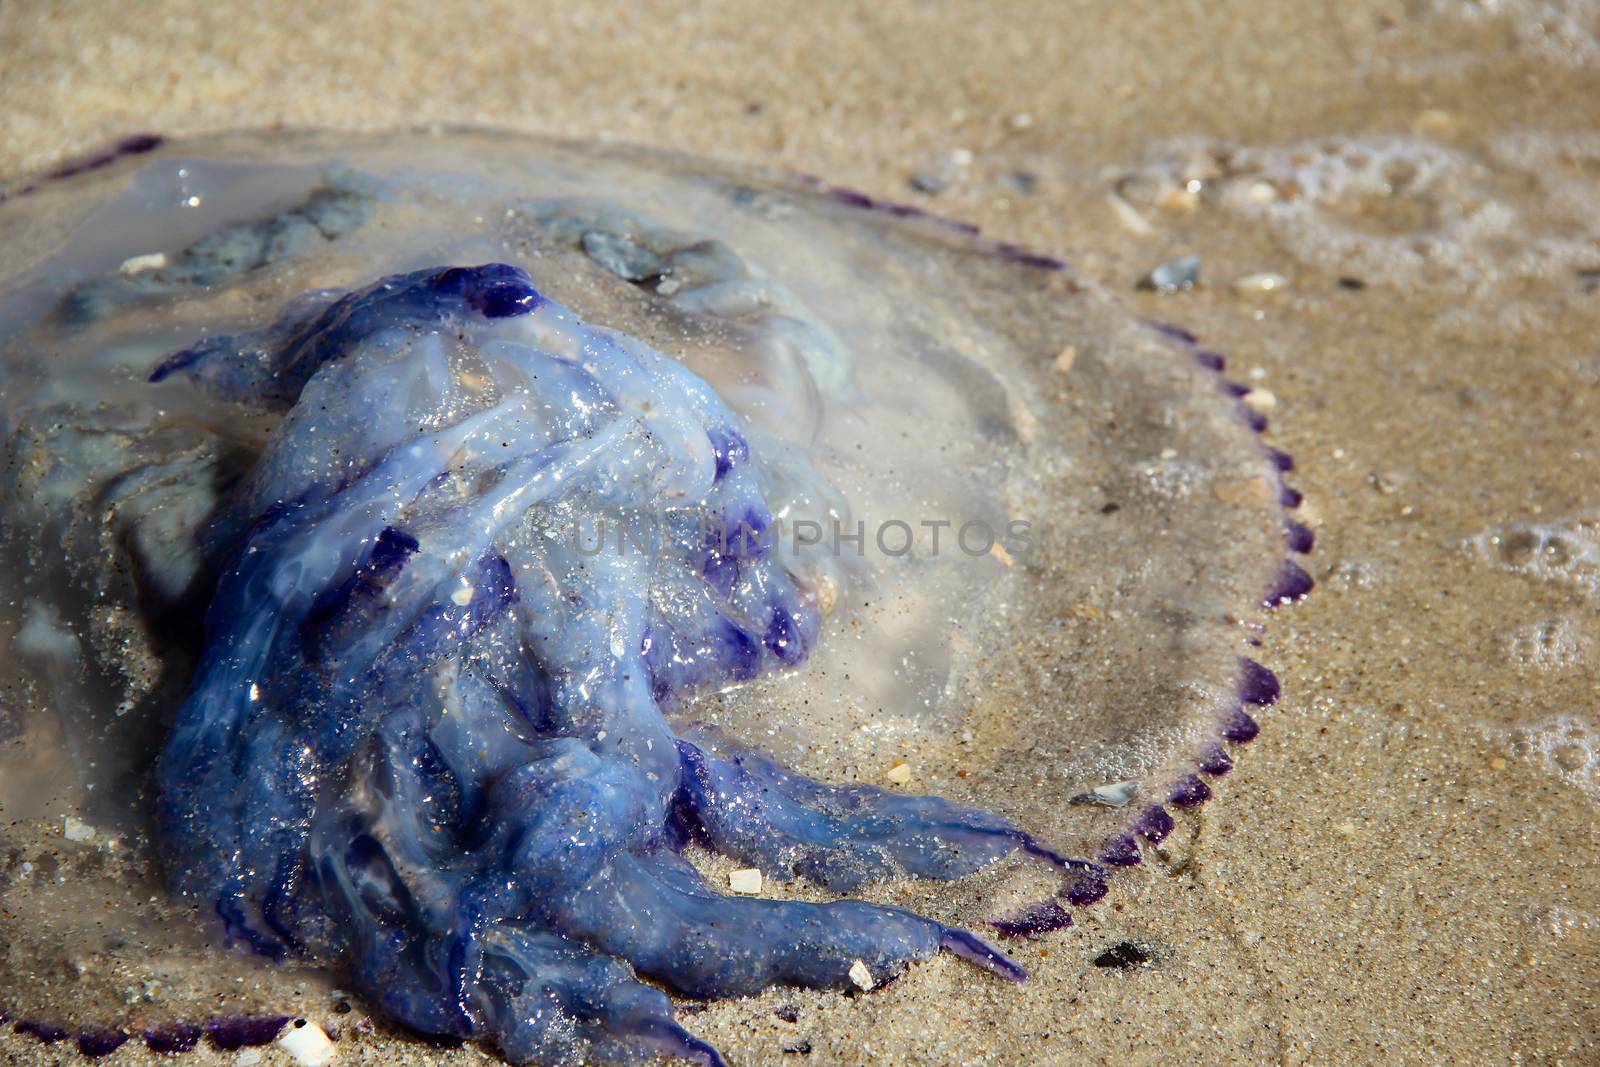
(1023, 181)
(1174, 276)
(1125, 954)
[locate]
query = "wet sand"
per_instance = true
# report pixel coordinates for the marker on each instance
(1405, 867)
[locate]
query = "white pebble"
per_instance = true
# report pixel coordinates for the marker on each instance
(746, 880)
(1261, 399)
(75, 829)
(140, 264)
(462, 596)
(1262, 281)
(899, 774)
(1263, 192)
(307, 1043)
(1128, 215)
(860, 975)
(1115, 795)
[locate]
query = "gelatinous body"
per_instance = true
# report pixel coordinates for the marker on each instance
(482, 549)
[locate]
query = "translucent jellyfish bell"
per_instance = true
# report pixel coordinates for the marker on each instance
(371, 603)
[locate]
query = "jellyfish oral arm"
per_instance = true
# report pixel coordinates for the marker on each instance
(427, 735)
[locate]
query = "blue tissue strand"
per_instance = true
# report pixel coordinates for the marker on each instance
(426, 738)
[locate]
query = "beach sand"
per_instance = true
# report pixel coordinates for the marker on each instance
(1406, 866)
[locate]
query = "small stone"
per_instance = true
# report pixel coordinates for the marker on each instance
(1436, 120)
(1125, 954)
(1115, 795)
(463, 596)
(937, 175)
(1497, 764)
(861, 976)
(1260, 399)
(140, 264)
(307, 1043)
(1261, 281)
(1263, 192)
(827, 594)
(1128, 215)
(1387, 482)
(1020, 121)
(1243, 491)
(75, 829)
(1183, 197)
(1173, 276)
(746, 881)
(899, 774)
(1023, 181)
(1346, 828)
(1066, 358)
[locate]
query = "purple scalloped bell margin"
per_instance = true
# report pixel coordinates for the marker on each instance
(135, 144)
(896, 209)
(226, 1035)
(1256, 687)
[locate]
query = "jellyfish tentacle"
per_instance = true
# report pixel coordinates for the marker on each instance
(551, 994)
(843, 837)
(654, 910)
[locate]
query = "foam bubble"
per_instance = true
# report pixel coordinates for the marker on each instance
(1393, 209)
(1561, 31)
(1564, 550)
(1550, 645)
(1570, 746)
